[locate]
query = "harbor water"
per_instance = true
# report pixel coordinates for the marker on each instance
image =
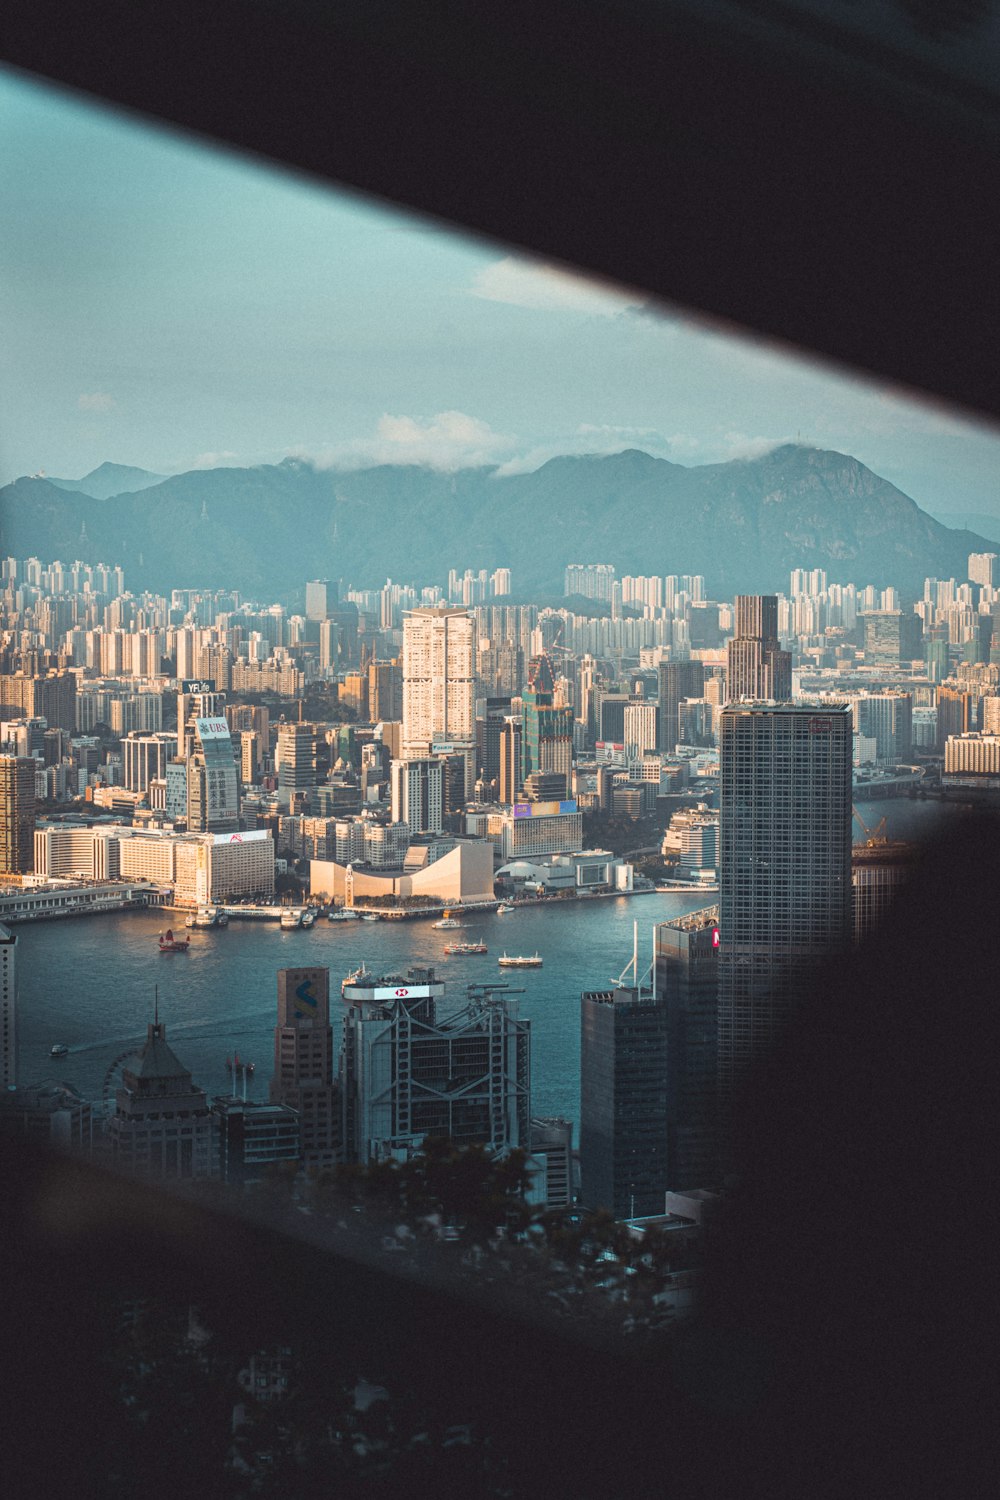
(89, 983)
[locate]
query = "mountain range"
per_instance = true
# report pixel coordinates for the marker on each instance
(264, 530)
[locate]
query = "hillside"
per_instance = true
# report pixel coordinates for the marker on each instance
(743, 524)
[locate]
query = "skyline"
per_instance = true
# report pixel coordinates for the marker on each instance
(171, 306)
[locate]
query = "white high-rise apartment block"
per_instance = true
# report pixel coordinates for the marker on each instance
(439, 686)
(983, 568)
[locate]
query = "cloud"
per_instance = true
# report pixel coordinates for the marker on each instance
(533, 284)
(448, 440)
(739, 445)
(96, 401)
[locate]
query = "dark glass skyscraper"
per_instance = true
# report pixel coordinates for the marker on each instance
(758, 667)
(784, 865)
(623, 1101)
(687, 980)
(678, 680)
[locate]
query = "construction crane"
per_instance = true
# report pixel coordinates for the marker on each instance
(874, 837)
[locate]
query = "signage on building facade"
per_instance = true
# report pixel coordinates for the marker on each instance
(197, 685)
(241, 838)
(543, 809)
(212, 729)
(401, 992)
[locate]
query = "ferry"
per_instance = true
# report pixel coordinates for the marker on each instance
(59, 1049)
(343, 914)
(207, 916)
(511, 961)
(466, 948)
(369, 916)
(308, 917)
(236, 1065)
(292, 917)
(170, 944)
(447, 921)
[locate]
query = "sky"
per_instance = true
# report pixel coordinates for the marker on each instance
(172, 306)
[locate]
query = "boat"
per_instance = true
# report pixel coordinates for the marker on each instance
(236, 1065)
(308, 917)
(369, 916)
(512, 961)
(466, 948)
(207, 916)
(447, 921)
(292, 917)
(343, 914)
(504, 906)
(170, 944)
(59, 1049)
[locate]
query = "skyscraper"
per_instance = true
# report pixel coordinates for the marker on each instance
(623, 1101)
(784, 865)
(296, 760)
(439, 670)
(17, 814)
(8, 1009)
(547, 731)
(417, 794)
(213, 780)
(320, 598)
(758, 668)
(687, 980)
(678, 680)
(304, 1062)
(408, 1073)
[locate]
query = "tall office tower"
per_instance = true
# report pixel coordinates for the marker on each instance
(687, 981)
(887, 718)
(251, 756)
(17, 814)
(52, 698)
(784, 866)
(162, 1126)
(213, 780)
(407, 1073)
(385, 691)
(936, 657)
(956, 710)
(758, 668)
(8, 1009)
(196, 699)
(612, 718)
(146, 757)
(983, 569)
(547, 731)
(304, 1063)
(329, 645)
(417, 794)
(489, 727)
(510, 781)
(321, 596)
(623, 1101)
(678, 680)
(296, 760)
(439, 682)
(892, 636)
(640, 727)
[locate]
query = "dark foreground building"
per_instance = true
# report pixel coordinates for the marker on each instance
(623, 1101)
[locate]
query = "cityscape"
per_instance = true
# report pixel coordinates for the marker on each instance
(442, 942)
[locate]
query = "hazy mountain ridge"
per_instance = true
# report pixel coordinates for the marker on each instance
(109, 480)
(743, 524)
